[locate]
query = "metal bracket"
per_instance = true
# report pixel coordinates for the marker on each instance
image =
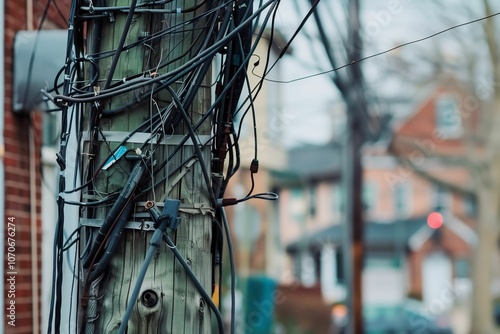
(189, 208)
(145, 225)
(142, 137)
(186, 168)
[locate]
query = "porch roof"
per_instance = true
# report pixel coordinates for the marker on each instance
(377, 235)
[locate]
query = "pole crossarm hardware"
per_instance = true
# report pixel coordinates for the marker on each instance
(150, 95)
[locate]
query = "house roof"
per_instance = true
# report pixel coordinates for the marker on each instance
(310, 163)
(377, 235)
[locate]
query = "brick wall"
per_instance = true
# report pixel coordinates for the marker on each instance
(17, 178)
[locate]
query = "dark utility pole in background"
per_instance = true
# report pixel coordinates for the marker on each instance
(351, 88)
(353, 175)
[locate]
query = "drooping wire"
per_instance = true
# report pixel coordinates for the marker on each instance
(377, 54)
(168, 78)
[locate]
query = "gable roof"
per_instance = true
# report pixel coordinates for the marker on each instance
(422, 120)
(377, 235)
(311, 163)
(409, 233)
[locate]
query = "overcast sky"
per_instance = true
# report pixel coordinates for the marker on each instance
(385, 24)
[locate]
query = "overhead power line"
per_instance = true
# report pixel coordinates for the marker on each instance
(379, 53)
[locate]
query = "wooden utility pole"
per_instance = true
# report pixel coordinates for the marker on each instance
(351, 89)
(353, 175)
(167, 301)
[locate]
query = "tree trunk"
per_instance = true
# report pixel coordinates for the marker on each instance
(487, 230)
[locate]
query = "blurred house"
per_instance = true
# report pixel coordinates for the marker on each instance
(406, 179)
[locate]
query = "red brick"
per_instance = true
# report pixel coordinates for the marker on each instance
(17, 163)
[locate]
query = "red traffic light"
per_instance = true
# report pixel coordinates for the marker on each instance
(435, 220)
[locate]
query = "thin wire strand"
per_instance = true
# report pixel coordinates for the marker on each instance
(375, 54)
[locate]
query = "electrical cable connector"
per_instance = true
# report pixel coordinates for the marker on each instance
(170, 213)
(60, 161)
(268, 196)
(227, 202)
(254, 166)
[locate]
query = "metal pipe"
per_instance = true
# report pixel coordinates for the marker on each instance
(35, 299)
(33, 214)
(29, 14)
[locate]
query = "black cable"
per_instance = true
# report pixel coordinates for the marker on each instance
(268, 196)
(73, 281)
(178, 28)
(232, 268)
(196, 282)
(121, 42)
(354, 61)
(118, 210)
(57, 277)
(93, 203)
(126, 9)
(218, 250)
(172, 76)
(192, 76)
(341, 84)
(268, 58)
(137, 100)
(154, 245)
(125, 140)
(196, 144)
(98, 268)
(61, 15)
(254, 166)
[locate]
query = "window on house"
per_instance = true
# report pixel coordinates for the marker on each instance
(308, 270)
(297, 259)
(462, 269)
(313, 200)
(296, 193)
(339, 269)
(470, 205)
(369, 196)
(442, 199)
(337, 203)
(317, 264)
(382, 260)
(448, 120)
(402, 199)
(297, 204)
